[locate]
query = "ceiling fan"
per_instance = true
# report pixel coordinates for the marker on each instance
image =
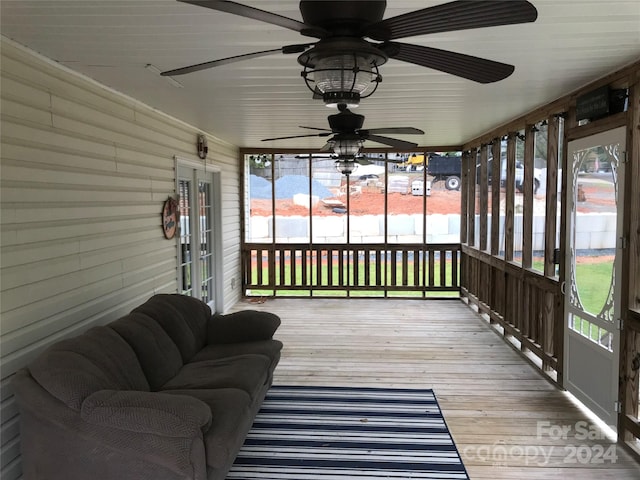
(348, 134)
(354, 40)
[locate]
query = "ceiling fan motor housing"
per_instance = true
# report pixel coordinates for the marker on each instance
(335, 16)
(345, 121)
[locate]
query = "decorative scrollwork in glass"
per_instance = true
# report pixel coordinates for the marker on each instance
(605, 312)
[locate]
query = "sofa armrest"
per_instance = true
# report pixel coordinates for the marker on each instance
(243, 326)
(147, 412)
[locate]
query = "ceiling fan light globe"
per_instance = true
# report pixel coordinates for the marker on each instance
(346, 73)
(346, 148)
(342, 67)
(346, 167)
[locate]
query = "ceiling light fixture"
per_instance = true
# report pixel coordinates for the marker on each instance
(345, 147)
(342, 70)
(346, 166)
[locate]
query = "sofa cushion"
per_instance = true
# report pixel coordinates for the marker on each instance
(245, 372)
(158, 354)
(75, 368)
(268, 348)
(184, 318)
(243, 326)
(232, 418)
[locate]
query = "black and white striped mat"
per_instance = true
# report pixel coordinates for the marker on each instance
(331, 433)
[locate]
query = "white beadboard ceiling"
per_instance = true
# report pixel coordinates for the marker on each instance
(572, 43)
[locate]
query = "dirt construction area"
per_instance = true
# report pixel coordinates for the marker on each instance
(595, 196)
(367, 203)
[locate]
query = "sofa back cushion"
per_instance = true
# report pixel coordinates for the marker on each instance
(184, 318)
(75, 368)
(158, 355)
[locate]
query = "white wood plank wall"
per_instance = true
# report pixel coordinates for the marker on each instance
(84, 174)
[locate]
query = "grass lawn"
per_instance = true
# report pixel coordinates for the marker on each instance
(312, 280)
(593, 281)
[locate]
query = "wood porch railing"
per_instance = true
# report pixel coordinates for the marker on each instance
(526, 305)
(275, 269)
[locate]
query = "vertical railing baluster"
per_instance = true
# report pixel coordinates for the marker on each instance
(431, 267)
(318, 267)
(394, 270)
(282, 257)
(423, 268)
(405, 268)
(356, 266)
(454, 269)
(271, 262)
(303, 268)
(259, 264)
(367, 266)
(294, 267)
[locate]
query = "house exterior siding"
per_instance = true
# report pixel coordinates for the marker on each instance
(84, 173)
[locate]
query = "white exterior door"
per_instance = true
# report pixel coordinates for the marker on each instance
(197, 239)
(592, 299)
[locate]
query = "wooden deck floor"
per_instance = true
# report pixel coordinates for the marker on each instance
(504, 416)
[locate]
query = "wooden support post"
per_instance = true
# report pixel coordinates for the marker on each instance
(510, 197)
(495, 196)
(464, 207)
(558, 341)
(484, 198)
(527, 204)
(471, 210)
(550, 315)
(632, 195)
(551, 207)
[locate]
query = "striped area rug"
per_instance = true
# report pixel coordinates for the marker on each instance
(331, 433)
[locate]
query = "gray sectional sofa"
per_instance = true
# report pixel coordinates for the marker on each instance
(166, 392)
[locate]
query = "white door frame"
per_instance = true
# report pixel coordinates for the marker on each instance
(591, 370)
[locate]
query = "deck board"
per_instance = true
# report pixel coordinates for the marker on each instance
(492, 399)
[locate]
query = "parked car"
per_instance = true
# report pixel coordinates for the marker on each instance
(369, 176)
(519, 176)
(537, 178)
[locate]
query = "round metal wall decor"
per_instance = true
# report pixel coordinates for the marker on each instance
(170, 217)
